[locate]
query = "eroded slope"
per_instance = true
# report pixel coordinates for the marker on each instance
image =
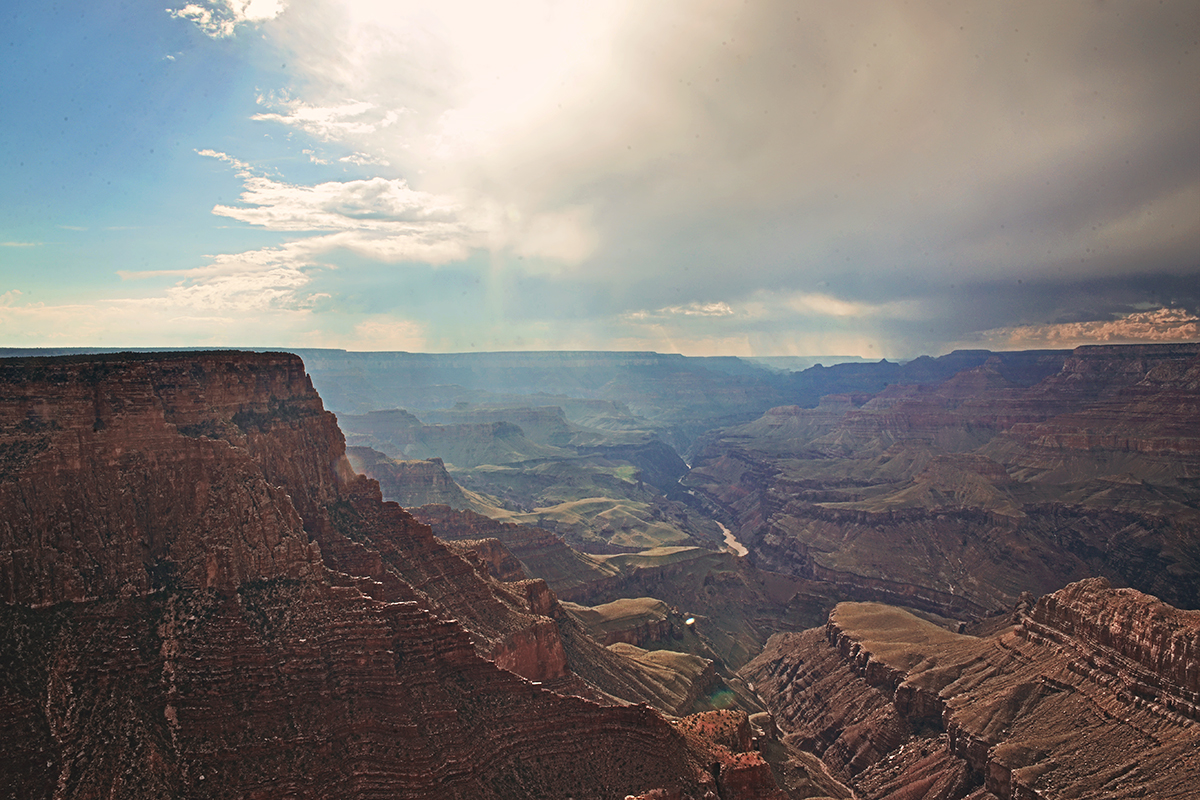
(1091, 694)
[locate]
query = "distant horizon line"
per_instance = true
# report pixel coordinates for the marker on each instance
(33, 351)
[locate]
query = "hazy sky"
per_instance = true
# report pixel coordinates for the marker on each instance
(695, 176)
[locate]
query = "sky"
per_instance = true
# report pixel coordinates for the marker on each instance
(705, 177)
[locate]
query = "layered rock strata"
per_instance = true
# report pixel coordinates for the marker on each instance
(203, 600)
(409, 483)
(571, 574)
(1090, 695)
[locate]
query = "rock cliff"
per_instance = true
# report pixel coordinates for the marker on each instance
(1091, 694)
(412, 483)
(203, 600)
(571, 574)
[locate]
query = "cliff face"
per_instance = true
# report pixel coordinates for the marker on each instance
(569, 573)
(409, 483)
(203, 600)
(966, 493)
(118, 476)
(1091, 694)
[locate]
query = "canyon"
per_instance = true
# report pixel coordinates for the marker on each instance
(203, 599)
(600, 575)
(955, 498)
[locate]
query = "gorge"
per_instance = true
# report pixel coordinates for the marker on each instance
(207, 593)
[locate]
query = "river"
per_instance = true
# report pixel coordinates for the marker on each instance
(732, 543)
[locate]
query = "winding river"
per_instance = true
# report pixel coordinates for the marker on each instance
(732, 543)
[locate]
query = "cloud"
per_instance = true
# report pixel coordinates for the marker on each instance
(243, 292)
(20, 244)
(152, 322)
(951, 140)
(386, 220)
(372, 204)
(242, 167)
(1157, 325)
(872, 176)
(271, 279)
(363, 159)
(378, 218)
(301, 253)
(345, 121)
(220, 18)
(717, 309)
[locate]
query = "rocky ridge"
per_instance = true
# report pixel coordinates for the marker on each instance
(1090, 694)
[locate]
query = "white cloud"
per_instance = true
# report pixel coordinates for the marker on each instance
(885, 151)
(378, 218)
(346, 121)
(386, 220)
(301, 253)
(242, 292)
(373, 204)
(1158, 325)
(212, 23)
(220, 18)
(314, 158)
(564, 236)
(383, 332)
(20, 244)
(429, 244)
(242, 167)
(363, 159)
(151, 322)
(826, 306)
(717, 309)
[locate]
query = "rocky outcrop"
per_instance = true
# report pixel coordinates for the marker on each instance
(1091, 694)
(121, 475)
(640, 621)
(542, 424)
(737, 767)
(1143, 649)
(501, 564)
(202, 599)
(398, 434)
(571, 574)
(409, 483)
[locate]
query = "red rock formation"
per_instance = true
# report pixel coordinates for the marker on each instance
(737, 769)
(571, 574)
(501, 564)
(409, 483)
(1148, 649)
(202, 600)
(1092, 694)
